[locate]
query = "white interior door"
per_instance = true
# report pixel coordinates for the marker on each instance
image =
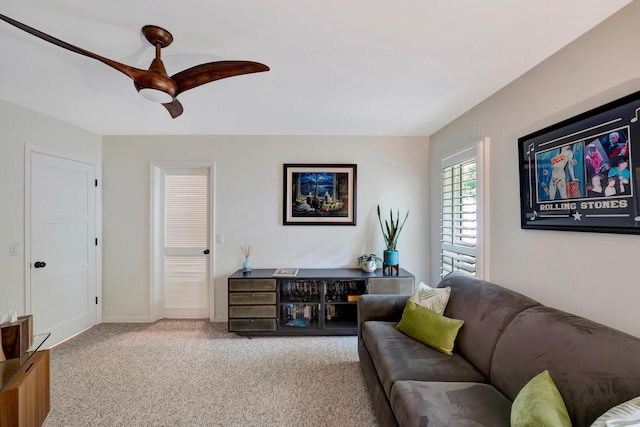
(62, 275)
(185, 243)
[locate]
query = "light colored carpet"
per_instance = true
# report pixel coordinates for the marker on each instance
(195, 373)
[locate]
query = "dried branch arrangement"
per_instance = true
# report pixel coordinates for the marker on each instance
(246, 250)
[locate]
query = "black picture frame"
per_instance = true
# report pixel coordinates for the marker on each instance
(583, 174)
(319, 194)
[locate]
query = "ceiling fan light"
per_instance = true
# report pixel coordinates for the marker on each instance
(155, 95)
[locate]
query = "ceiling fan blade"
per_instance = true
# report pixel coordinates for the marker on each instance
(174, 107)
(211, 71)
(154, 83)
(132, 72)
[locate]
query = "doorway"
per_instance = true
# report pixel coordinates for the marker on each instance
(181, 241)
(61, 286)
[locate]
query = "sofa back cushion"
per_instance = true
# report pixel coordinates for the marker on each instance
(486, 310)
(594, 367)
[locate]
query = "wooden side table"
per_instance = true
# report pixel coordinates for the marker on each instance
(25, 393)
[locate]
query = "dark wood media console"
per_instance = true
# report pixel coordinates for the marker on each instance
(314, 302)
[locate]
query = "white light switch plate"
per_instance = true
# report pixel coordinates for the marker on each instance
(14, 248)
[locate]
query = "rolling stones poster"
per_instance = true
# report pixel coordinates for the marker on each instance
(583, 174)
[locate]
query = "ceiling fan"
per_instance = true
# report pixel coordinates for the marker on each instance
(154, 83)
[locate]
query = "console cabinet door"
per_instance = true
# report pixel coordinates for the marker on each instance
(391, 285)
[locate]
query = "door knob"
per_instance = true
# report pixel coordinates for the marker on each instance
(39, 264)
(206, 251)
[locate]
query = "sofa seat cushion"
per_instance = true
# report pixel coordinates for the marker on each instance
(398, 357)
(444, 404)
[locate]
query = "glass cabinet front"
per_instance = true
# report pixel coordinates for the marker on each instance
(317, 304)
(341, 299)
(300, 303)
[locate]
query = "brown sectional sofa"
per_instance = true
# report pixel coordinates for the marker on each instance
(507, 338)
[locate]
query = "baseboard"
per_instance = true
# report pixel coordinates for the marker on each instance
(141, 319)
(125, 319)
(72, 336)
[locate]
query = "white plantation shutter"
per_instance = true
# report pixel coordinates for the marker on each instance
(459, 220)
(464, 226)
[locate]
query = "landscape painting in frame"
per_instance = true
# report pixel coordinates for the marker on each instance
(319, 194)
(583, 174)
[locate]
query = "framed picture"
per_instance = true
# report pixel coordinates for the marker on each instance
(319, 194)
(583, 174)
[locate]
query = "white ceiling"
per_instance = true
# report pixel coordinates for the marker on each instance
(338, 67)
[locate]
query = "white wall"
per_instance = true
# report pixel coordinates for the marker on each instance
(392, 171)
(557, 268)
(589, 274)
(19, 126)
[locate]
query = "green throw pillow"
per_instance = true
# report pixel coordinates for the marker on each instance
(539, 404)
(429, 328)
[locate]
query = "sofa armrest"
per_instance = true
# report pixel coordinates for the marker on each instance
(380, 307)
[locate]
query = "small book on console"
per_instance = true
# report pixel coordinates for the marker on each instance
(285, 272)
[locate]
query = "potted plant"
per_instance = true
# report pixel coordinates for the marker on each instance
(369, 263)
(391, 231)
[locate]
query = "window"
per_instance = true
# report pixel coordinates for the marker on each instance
(462, 228)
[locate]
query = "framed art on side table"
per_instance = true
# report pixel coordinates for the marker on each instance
(583, 174)
(319, 194)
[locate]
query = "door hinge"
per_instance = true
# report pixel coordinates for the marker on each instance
(96, 300)
(96, 241)
(96, 182)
